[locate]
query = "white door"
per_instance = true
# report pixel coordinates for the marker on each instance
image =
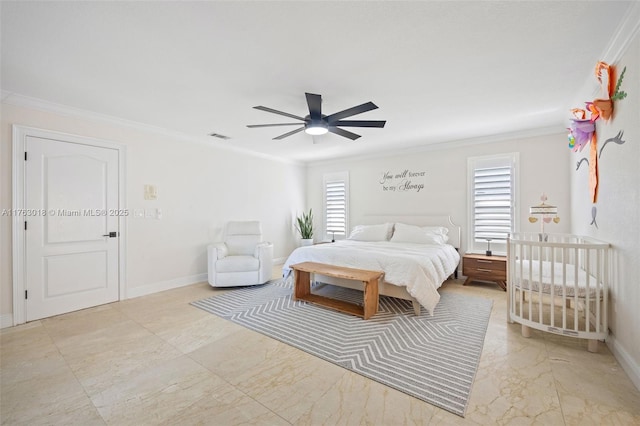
(71, 206)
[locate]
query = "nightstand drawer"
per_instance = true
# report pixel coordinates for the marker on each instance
(485, 274)
(485, 268)
(484, 264)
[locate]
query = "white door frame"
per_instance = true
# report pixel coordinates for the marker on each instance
(20, 134)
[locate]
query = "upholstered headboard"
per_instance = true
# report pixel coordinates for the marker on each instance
(419, 220)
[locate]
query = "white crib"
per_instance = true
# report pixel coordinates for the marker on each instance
(559, 283)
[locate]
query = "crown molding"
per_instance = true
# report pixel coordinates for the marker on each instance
(624, 35)
(618, 45)
(23, 101)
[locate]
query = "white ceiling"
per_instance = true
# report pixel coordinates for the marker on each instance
(439, 71)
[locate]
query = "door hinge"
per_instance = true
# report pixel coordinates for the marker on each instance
(25, 156)
(25, 225)
(26, 294)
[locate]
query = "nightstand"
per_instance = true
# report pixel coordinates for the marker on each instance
(485, 268)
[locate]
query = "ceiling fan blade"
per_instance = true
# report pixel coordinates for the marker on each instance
(272, 125)
(275, 111)
(351, 111)
(315, 106)
(343, 132)
(358, 123)
(293, 132)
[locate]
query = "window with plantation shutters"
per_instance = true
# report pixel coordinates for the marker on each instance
(492, 201)
(336, 196)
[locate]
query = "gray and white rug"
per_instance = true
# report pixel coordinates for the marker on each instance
(431, 358)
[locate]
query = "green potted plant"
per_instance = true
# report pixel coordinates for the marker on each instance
(304, 226)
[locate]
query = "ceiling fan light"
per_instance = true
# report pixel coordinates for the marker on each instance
(316, 129)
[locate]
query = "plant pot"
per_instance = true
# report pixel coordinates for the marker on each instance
(306, 242)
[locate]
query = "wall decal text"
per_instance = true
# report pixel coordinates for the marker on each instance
(404, 181)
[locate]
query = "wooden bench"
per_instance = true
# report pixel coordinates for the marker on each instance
(302, 287)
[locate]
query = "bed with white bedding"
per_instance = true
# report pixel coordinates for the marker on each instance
(415, 261)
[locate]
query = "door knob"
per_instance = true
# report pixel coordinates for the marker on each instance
(111, 234)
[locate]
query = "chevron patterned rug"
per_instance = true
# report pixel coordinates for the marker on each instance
(431, 358)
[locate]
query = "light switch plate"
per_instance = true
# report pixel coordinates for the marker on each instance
(150, 192)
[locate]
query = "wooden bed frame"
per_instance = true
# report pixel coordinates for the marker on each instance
(388, 289)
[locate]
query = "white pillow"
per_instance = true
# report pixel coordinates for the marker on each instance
(371, 232)
(419, 235)
(441, 230)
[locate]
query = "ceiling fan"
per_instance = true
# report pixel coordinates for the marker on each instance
(317, 123)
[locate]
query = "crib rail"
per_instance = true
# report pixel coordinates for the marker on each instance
(559, 283)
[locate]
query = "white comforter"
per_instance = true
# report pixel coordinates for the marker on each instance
(420, 268)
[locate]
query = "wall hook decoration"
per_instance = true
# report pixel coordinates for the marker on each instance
(583, 130)
(616, 139)
(594, 213)
(582, 160)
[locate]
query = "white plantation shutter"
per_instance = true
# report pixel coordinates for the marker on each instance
(336, 205)
(492, 188)
(492, 203)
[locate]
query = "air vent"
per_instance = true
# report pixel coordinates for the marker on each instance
(219, 136)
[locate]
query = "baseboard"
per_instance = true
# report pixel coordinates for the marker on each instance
(6, 320)
(279, 260)
(144, 290)
(626, 361)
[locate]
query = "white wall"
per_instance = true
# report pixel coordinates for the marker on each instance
(618, 208)
(200, 188)
(542, 169)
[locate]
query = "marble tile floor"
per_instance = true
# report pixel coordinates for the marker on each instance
(158, 360)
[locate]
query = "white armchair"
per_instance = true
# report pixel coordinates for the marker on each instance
(242, 259)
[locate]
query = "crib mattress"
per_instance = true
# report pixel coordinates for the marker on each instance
(520, 279)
